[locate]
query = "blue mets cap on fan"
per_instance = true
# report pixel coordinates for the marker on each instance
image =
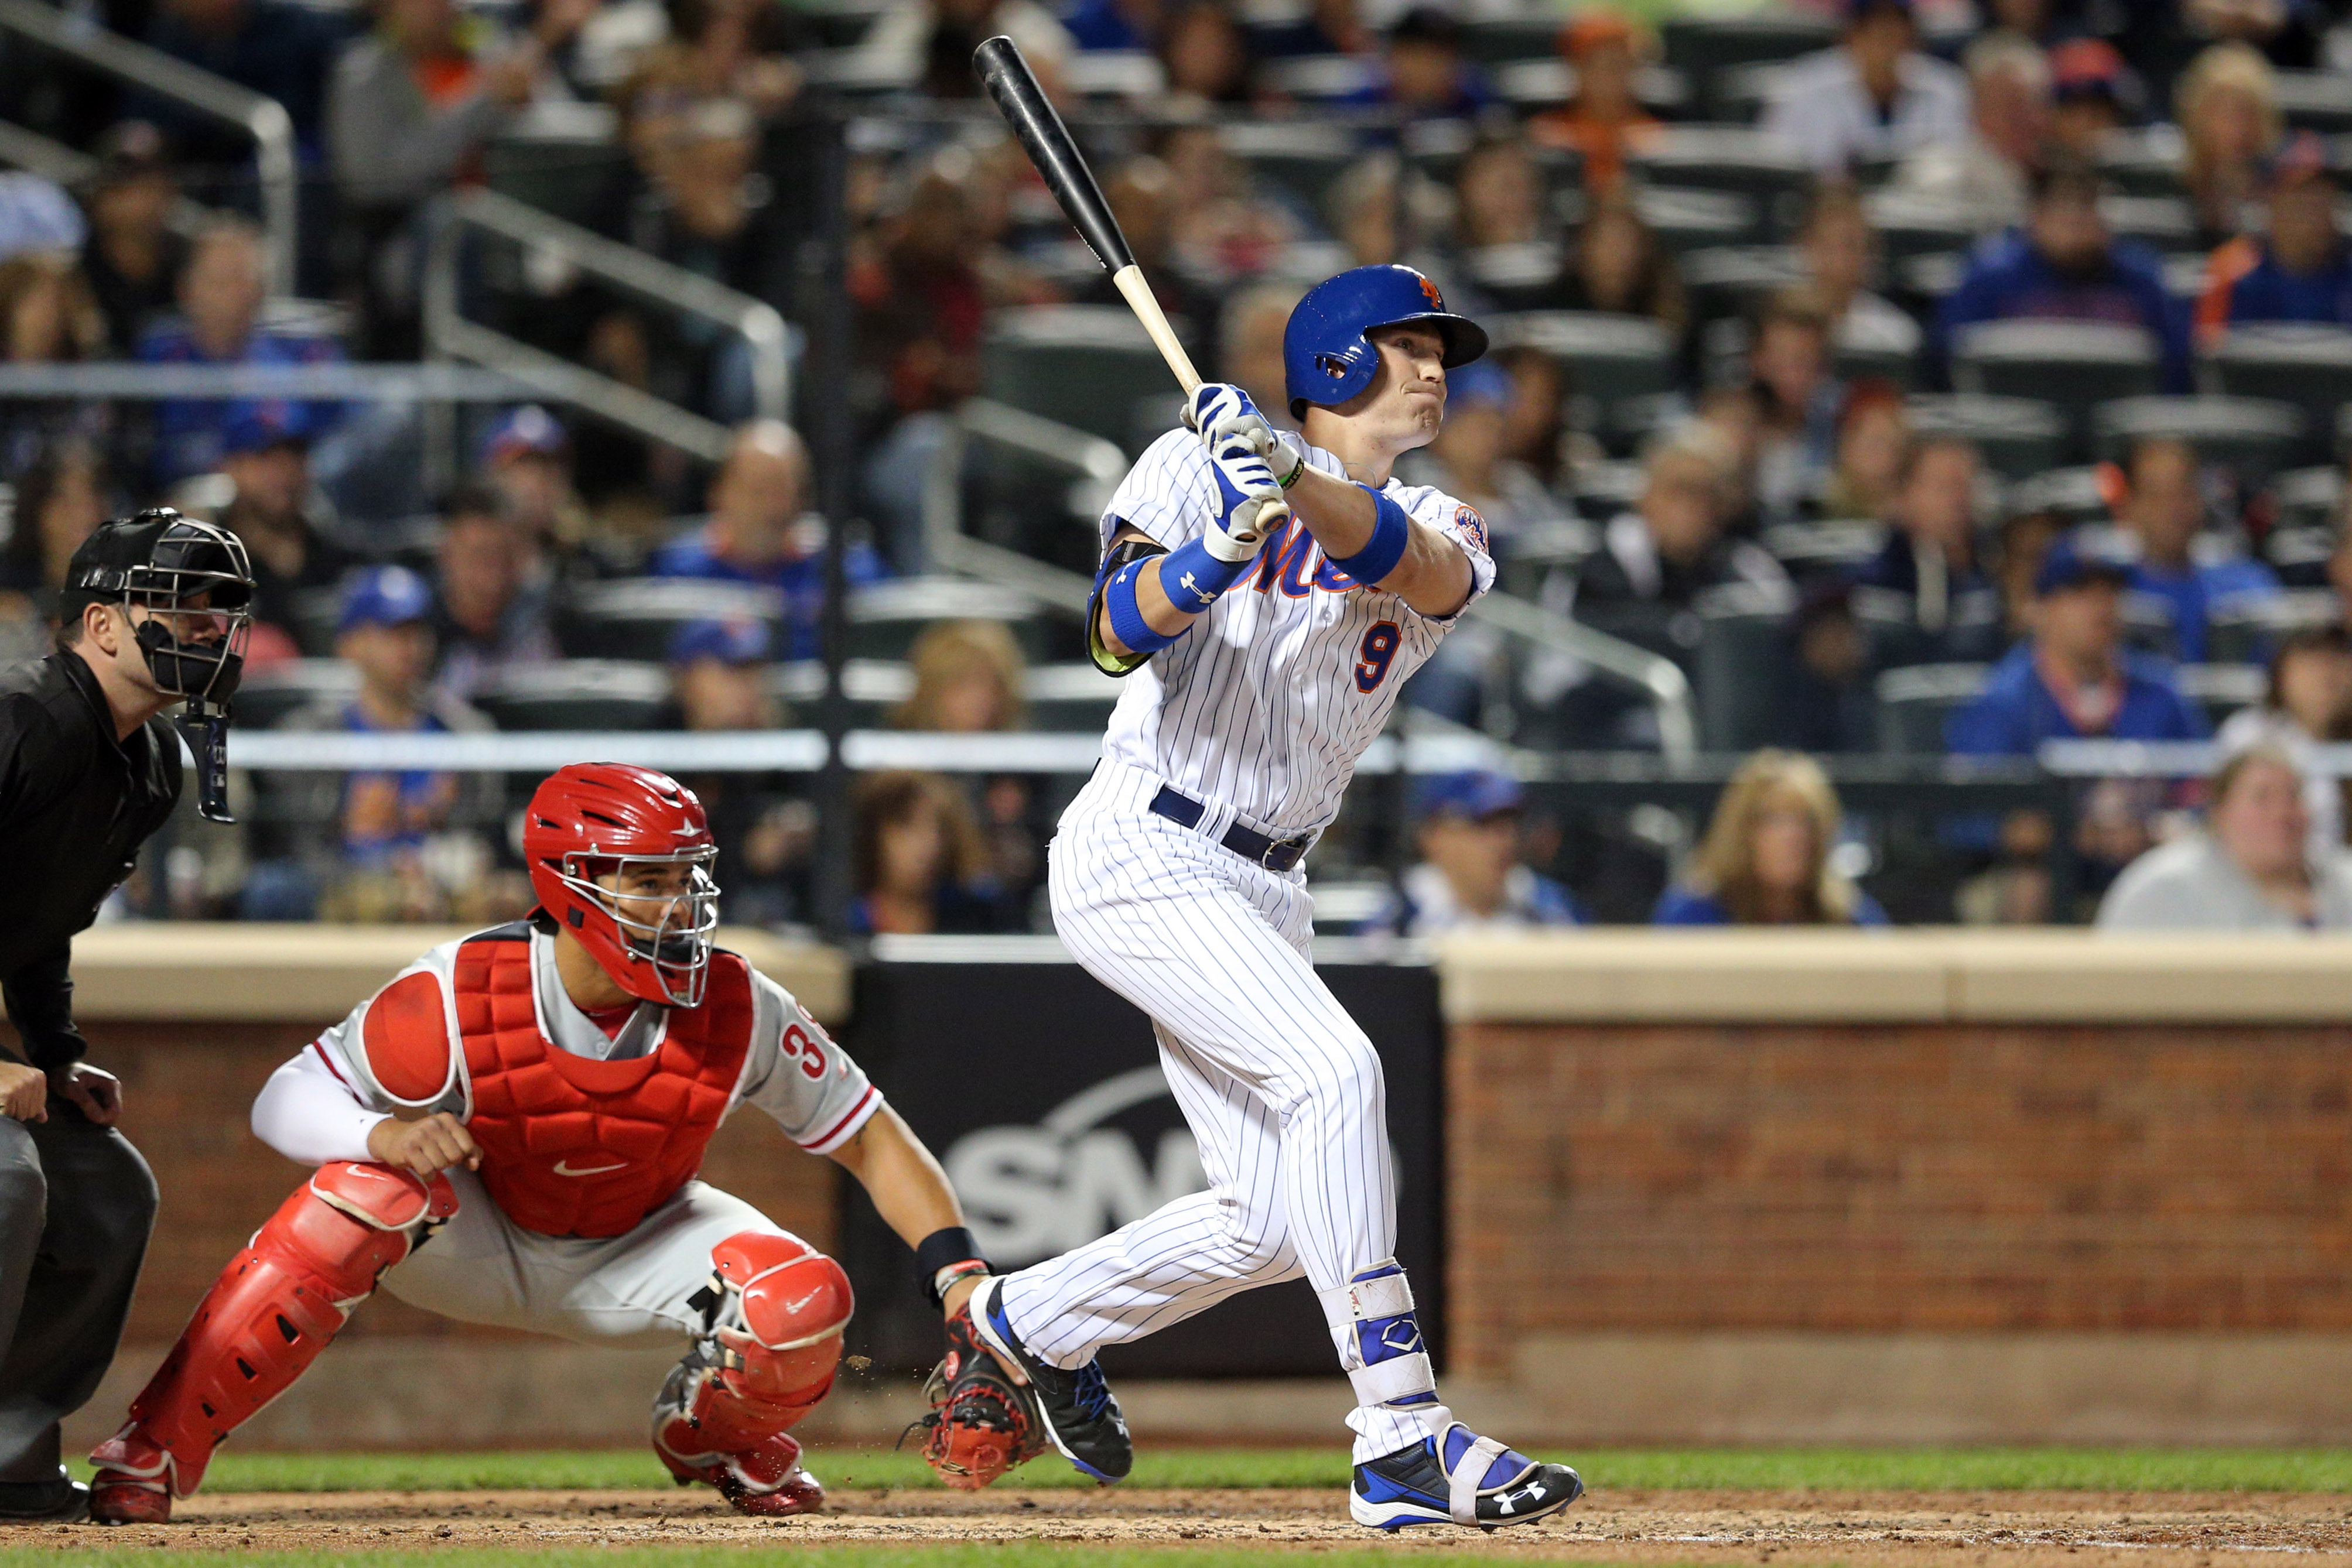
(1325, 355)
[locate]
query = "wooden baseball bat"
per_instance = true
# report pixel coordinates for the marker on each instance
(1046, 139)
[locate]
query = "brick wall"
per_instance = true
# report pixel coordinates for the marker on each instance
(1934, 1177)
(188, 1089)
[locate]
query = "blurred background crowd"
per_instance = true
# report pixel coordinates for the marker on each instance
(1894, 387)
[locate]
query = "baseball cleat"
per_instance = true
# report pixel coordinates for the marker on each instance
(1082, 1419)
(59, 1501)
(1461, 1478)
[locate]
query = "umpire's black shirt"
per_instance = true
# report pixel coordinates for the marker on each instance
(75, 806)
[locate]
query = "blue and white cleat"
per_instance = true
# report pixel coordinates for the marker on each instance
(1082, 1418)
(1459, 1479)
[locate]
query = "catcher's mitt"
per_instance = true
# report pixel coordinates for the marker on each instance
(981, 1423)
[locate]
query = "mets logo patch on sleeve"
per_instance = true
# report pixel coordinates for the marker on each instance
(1472, 526)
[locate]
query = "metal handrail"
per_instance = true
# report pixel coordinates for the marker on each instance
(448, 333)
(1657, 678)
(263, 119)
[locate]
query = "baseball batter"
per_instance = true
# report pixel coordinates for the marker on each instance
(508, 1133)
(1266, 649)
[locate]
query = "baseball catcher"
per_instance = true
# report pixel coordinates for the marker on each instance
(508, 1133)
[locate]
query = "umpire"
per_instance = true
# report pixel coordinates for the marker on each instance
(154, 615)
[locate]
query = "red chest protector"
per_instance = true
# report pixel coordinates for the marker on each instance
(574, 1147)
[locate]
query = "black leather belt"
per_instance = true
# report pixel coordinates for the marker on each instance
(1274, 855)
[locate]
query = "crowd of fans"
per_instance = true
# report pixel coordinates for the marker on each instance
(1789, 466)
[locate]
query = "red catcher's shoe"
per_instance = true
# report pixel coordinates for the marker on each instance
(765, 1481)
(117, 1498)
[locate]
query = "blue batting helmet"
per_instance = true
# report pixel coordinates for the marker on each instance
(1325, 355)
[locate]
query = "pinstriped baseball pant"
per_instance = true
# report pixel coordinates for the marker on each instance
(1283, 1091)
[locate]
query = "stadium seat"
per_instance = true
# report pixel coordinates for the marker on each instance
(317, 612)
(635, 617)
(1082, 365)
(2309, 497)
(2221, 689)
(2075, 365)
(1704, 46)
(1532, 85)
(578, 694)
(1731, 280)
(1685, 219)
(1914, 703)
(2245, 631)
(2072, 494)
(1496, 40)
(2310, 366)
(1826, 548)
(2162, 222)
(269, 693)
(1304, 159)
(2315, 101)
(1115, 73)
(1741, 681)
(2018, 437)
(1611, 361)
(2137, 163)
(1731, 159)
(1910, 223)
(886, 617)
(1864, 349)
(571, 169)
(2254, 438)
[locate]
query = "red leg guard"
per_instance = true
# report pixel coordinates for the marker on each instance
(270, 1313)
(768, 1360)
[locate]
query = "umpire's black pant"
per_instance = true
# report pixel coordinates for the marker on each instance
(76, 1205)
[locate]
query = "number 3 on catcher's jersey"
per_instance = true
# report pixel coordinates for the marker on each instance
(1378, 651)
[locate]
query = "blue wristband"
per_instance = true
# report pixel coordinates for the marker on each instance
(1192, 577)
(1127, 622)
(1392, 532)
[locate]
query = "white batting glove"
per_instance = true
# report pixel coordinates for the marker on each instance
(1249, 501)
(1219, 411)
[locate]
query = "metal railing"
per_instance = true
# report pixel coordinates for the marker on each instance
(1658, 679)
(200, 91)
(448, 334)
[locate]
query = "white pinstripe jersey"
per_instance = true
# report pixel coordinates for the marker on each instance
(1267, 702)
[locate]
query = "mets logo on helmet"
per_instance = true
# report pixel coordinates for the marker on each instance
(1430, 289)
(1472, 527)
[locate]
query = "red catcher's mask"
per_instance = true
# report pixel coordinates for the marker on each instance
(597, 819)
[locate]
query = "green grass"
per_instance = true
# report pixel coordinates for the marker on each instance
(1830, 1469)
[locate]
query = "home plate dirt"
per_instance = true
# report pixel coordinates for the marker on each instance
(2153, 1530)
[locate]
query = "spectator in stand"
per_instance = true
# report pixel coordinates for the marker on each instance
(1672, 547)
(1604, 121)
(62, 495)
(1422, 73)
(1249, 346)
(1874, 431)
(2009, 108)
(1207, 60)
(1798, 398)
(1615, 263)
(2250, 868)
(271, 509)
(1142, 197)
(1125, 26)
(1497, 196)
(526, 462)
(1873, 97)
(1468, 460)
(2074, 677)
(1840, 252)
(920, 862)
(402, 845)
(279, 48)
(969, 679)
(1470, 878)
(721, 681)
(759, 530)
(722, 49)
(1225, 230)
(2026, 537)
(1766, 858)
(2163, 510)
(2094, 94)
(133, 256)
(1825, 705)
(2301, 269)
(221, 294)
(2227, 107)
(2306, 704)
(1535, 435)
(927, 44)
(489, 619)
(2064, 264)
(48, 316)
(1925, 591)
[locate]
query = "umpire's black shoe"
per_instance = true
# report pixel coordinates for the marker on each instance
(59, 1501)
(1081, 1417)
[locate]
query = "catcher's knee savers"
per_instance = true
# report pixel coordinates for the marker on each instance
(270, 1314)
(774, 1312)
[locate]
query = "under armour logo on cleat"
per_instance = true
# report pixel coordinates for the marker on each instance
(1205, 598)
